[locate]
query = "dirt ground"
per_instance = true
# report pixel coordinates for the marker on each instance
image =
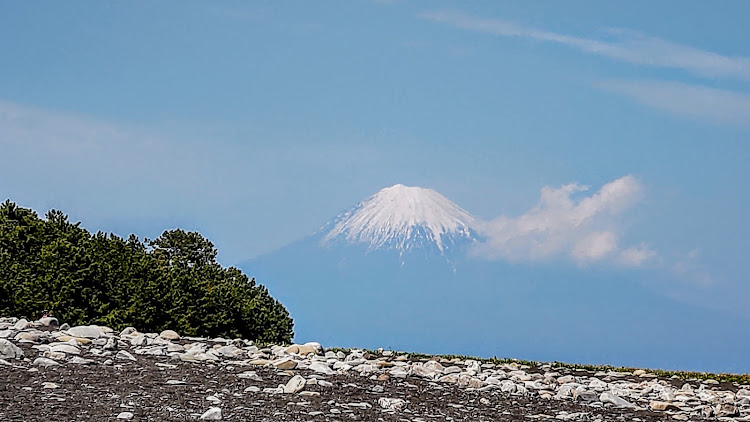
(154, 390)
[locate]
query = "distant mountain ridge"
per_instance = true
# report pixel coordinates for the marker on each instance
(394, 271)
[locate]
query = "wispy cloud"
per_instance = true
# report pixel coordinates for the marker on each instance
(105, 172)
(708, 104)
(623, 45)
(691, 269)
(45, 129)
(585, 230)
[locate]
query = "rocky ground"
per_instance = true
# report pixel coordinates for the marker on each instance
(51, 372)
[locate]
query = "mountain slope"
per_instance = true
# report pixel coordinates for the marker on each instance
(360, 282)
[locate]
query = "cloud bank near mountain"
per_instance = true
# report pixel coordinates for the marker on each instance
(562, 224)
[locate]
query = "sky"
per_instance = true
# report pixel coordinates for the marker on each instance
(620, 129)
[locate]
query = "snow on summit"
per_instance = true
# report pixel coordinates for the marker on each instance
(403, 217)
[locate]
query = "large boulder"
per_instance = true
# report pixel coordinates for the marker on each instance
(49, 322)
(295, 385)
(169, 335)
(9, 350)
(21, 324)
(86, 331)
(305, 349)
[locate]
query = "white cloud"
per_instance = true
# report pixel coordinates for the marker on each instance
(635, 256)
(595, 246)
(708, 104)
(34, 127)
(691, 269)
(585, 230)
(623, 45)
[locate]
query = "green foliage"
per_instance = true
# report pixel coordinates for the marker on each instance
(170, 282)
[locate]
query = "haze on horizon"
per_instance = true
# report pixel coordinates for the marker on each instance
(594, 138)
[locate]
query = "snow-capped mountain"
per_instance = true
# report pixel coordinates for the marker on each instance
(393, 272)
(402, 218)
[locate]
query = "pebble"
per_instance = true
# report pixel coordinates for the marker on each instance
(391, 403)
(212, 414)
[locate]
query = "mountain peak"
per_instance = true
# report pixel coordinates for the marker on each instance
(403, 217)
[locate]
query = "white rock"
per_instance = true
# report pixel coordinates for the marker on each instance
(391, 404)
(44, 362)
(49, 322)
(452, 370)
(429, 369)
(81, 361)
(169, 335)
(285, 364)
(607, 397)
(171, 347)
(473, 367)
(125, 415)
(111, 344)
(9, 350)
(228, 351)
(152, 351)
(341, 366)
(139, 340)
(309, 394)
(296, 384)
(33, 336)
(321, 367)
(212, 414)
(597, 384)
(86, 331)
(123, 355)
(565, 379)
(50, 385)
(65, 348)
(398, 371)
(250, 375)
(54, 355)
(21, 324)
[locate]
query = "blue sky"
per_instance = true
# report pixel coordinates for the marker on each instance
(255, 123)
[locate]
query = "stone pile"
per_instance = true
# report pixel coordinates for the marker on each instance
(308, 373)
